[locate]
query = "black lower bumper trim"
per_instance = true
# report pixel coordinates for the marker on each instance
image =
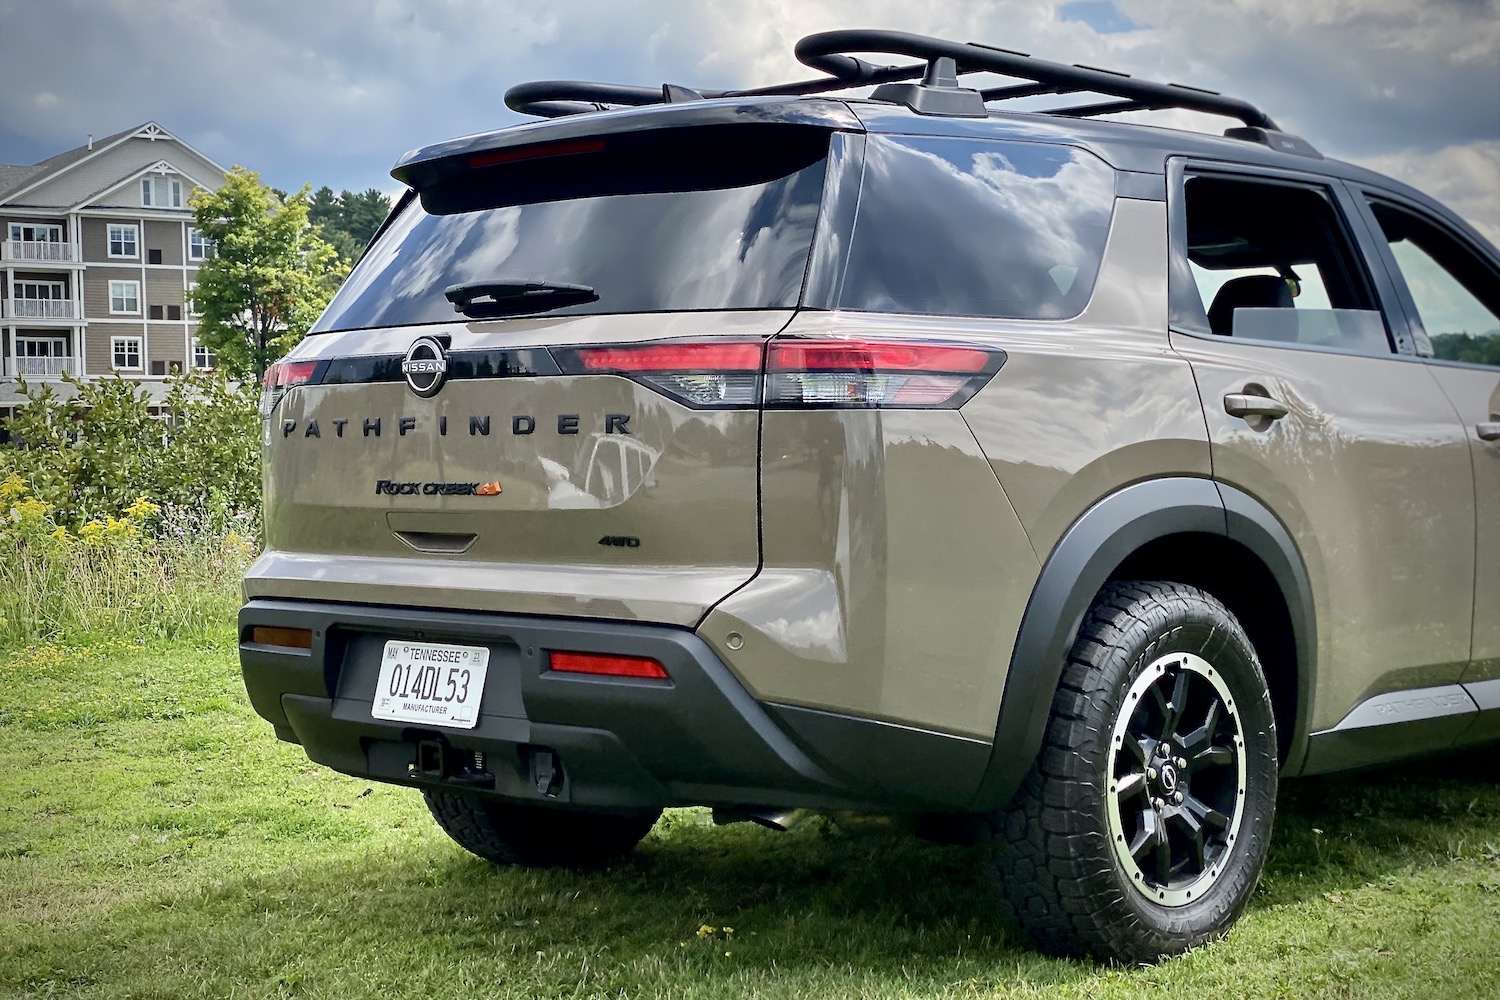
(616, 743)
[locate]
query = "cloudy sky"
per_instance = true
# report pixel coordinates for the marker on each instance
(332, 91)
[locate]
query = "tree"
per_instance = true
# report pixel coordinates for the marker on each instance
(326, 211)
(348, 220)
(269, 277)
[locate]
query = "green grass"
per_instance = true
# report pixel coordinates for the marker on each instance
(156, 841)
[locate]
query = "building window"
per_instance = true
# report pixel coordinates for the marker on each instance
(125, 296)
(21, 232)
(200, 247)
(39, 290)
(202, 356)
(126, 352)
(122, 241)
(192, 289)
(161, 192)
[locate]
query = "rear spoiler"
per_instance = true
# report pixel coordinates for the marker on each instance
(430, 166)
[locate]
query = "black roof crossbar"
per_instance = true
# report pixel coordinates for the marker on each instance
(941, 63)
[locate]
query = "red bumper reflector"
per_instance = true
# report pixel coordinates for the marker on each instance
(606, 666)
(294, 638)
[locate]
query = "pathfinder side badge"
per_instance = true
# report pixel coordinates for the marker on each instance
(424, 366)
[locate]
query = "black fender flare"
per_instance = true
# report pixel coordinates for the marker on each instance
(1082, 562)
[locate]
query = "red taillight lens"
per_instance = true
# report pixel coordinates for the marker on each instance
(673, 357)
(876, 373)
(870, 356)
(280, 377)
(601, 665)
(704, 374)
(818, 373)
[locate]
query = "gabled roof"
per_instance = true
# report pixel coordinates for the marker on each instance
(159, 166)
(13, 176)
(16, 180)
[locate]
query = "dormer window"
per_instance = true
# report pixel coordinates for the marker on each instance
(161, 192)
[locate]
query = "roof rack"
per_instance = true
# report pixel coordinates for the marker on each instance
(937, 93)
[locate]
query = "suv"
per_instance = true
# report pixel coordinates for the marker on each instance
(772, 450)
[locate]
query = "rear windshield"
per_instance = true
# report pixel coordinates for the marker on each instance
(977, 227)
(702, 222)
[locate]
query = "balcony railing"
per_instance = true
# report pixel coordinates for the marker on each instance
(43, 250)
(41, 367)
(42, 308)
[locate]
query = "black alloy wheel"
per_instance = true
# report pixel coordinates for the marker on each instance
(1142, 828)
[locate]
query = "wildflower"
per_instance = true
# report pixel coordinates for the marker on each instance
(12, 486)
(141, 509)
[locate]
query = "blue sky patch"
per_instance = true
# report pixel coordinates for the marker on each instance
(1101, 15)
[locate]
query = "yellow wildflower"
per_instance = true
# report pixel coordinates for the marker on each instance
(141, 509)
(12, 486)
(30, 510)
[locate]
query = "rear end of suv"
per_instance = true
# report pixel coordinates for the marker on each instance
(777, 452)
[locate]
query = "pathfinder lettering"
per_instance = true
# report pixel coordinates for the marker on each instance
(521, 424)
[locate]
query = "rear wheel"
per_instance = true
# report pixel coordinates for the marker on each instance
(535, 836)
(1142, 829)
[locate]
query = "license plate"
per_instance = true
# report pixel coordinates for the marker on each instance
(431, 683)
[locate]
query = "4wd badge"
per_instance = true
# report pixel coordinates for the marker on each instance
(424, 366)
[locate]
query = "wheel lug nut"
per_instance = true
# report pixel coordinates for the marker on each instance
(1157, 803)
(1177, 798)
(1166, 749)
(1180, 762)
(1151, 773)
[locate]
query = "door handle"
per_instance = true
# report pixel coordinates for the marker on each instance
(1488, 431)
(1240, 404)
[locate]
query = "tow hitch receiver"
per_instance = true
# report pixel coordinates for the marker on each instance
(435, 759)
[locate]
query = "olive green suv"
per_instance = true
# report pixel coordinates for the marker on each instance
(780, 450)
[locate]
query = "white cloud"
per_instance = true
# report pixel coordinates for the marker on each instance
(1465, 178)
(334, 90)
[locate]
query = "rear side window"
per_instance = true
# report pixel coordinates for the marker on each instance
(973, 227)
(1272, 261)
(694, 222)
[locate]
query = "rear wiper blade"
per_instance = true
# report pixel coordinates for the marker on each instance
(514, 297)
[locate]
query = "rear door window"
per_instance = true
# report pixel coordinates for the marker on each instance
(1273, 261)
(974, 227)
(1456, 292)
(700, 222)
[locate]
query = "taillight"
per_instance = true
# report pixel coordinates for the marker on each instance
(542, 151)
(827, 373)
(706, 374)
(601, 665)
(280, 377)
(796, 373)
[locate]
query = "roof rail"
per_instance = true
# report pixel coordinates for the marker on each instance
(942, 64)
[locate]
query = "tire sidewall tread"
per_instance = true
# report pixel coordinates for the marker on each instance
(1050, 847)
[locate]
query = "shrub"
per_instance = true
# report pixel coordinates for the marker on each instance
(89, 457)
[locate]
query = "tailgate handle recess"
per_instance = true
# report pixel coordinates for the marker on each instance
(449, 543)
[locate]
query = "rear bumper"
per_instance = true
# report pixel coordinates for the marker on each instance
(619, 743)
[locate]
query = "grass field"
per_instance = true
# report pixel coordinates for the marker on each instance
(156, 841)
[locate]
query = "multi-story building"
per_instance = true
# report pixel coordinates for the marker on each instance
(97, 256)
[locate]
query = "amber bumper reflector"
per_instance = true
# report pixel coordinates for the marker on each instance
(296, 638)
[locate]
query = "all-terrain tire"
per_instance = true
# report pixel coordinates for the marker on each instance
(536, 836)
(1054, 848)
